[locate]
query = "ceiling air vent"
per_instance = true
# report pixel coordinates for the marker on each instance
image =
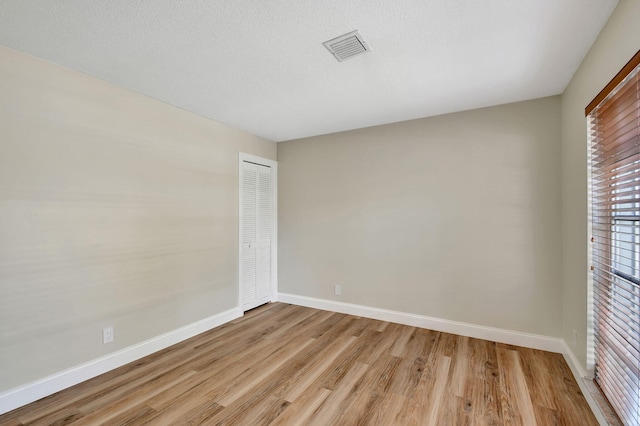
(347, 46)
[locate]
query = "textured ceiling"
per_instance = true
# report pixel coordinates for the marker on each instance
(260, 65)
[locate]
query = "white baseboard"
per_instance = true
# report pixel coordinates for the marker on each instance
(535, 341)
(581, 375)
(576, 366)
(17, 397)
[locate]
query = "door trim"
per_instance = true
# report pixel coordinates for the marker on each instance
(242, 157)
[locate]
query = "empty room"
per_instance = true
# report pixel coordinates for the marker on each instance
(320, 213)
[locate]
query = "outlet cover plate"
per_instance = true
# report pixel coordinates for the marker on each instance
(107, 334)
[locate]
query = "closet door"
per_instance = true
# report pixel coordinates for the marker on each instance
(256, 234)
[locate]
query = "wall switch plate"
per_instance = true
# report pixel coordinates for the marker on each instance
(337, 289)
(107, 334)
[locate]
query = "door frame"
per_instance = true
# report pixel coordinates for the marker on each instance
(242, 157)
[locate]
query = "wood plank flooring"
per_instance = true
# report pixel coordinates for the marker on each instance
(288, 365)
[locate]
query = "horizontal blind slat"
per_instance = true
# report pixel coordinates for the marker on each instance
(625, 255)
(613, 99)
(624, 109)
(610, 375)
(622, 376)
(620, 298)
(616, 186)
(617, 375)
(609, 277)
(630, 326)
(626, 331)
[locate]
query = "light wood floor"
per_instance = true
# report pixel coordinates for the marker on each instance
(288, 365)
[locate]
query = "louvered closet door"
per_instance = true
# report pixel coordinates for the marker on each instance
(257, 230)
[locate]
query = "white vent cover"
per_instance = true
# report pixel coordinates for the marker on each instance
(347, 46)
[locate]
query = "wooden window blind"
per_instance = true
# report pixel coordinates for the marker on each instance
(614, 133)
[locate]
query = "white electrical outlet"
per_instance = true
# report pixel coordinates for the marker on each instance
(337, 289)
(107, 334)
(575, 337)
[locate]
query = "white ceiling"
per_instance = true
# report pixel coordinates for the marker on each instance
(259, 65)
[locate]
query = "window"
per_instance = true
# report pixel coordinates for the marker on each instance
(614, 133)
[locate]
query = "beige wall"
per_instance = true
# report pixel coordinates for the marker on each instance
(455, 217)
(616, 44)
(115, 209)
